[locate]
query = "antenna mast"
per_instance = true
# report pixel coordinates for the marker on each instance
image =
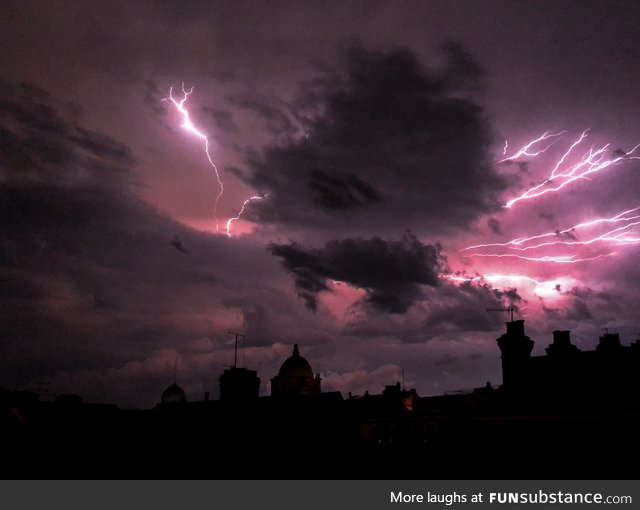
(509, 309)
(235, 358)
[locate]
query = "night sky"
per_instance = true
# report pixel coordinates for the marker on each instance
(379, 139)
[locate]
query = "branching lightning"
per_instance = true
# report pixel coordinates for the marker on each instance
(524, 150)
(244, 204)
(591, 240)
(591, 162)
(188, 125)
(617, 235)
(623, 235)
(559, 259)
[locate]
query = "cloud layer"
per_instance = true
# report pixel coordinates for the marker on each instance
(391, 145)
(391, 272)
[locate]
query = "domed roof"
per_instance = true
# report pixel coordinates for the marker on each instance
(173, 394)
(296, 366)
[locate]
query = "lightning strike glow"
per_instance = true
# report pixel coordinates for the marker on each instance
(489, 278)
(188, 125)
(606, 237)
(547, 288)
(244, 204)
(558, 259)
(515, 244)
(601, 235)
(591, 162)
(524, 150)
(564, 156)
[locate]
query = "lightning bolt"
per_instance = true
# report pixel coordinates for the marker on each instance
(558, 259)
(494, 277)
(524, 150)
(244, 204)
(591, 162)
(189, 126)
(564, 156)
(615, 235)
(545, 288)
(621, 229)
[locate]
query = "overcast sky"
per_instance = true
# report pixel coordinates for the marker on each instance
(380, 139)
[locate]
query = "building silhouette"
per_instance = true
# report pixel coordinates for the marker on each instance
(174, 394)
(605, 378)
(295, 378)
(516, 350)
(567, 413)
(238, 384)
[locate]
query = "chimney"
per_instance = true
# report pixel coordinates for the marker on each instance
(515, 328)
(562, 338)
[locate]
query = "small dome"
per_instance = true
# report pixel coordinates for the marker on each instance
(173, 394)
(295, 366)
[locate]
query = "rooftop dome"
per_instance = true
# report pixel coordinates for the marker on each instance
(295, 366)
(173, 394)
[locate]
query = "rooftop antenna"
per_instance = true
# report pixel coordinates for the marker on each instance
(235, 358)
(509, 309)
(403, 379)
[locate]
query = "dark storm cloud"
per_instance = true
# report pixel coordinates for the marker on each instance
(464, 308)
(391, 136)
(341, 192)
(101, 146)
(578, 311)
(462, 72)
(38, 144)
(275, 118)
(91, 278)
(391, 272)
(575, 310)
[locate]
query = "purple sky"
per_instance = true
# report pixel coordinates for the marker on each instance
(373, 128)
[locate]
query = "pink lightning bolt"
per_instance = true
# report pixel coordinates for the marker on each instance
(591, 162)
(188, 125)
(558, 259)
(244, 204)
(516, 244)
(547, 288)
(524, 150)
(617, 236)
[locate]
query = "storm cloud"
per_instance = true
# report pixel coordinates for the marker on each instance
(390, 136)
(391, 272)
(464, 308)
(110, 264)
(93, 285)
